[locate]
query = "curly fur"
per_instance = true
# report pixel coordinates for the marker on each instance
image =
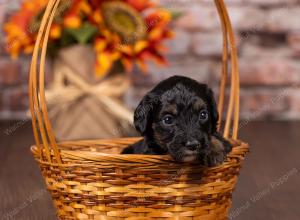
(183, 98)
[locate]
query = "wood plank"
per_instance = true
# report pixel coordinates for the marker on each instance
(22, 189)
(274, 153)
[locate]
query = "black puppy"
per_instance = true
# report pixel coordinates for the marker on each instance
(179, 117)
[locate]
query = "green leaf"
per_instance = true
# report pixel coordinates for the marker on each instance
(83, 34)
(67, 39)
(176, 14)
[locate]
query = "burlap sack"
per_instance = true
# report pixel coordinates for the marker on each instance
(82, 106)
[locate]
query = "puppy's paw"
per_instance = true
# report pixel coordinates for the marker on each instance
(220, 142)
(128, 150)
(214, 159)
(217, 153)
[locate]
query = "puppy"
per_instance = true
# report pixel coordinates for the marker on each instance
(179, 117)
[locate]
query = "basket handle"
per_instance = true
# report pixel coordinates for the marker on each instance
(40, 120)
(234, 100)
(42, 129)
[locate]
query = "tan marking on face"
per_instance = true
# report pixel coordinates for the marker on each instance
(198, 104)
(157, 136)
(172, 109)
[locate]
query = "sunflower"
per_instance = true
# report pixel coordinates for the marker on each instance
(136, 38)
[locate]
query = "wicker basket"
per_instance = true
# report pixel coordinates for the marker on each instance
(91, 180)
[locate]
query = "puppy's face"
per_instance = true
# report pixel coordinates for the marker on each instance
(180, 116)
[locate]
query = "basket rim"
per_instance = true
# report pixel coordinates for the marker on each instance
(238, 149)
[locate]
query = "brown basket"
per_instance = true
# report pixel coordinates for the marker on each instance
(91, 180)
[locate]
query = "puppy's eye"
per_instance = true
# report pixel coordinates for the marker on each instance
(203, 116)
(168, 120)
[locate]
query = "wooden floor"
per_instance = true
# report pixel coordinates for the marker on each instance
(268, 187)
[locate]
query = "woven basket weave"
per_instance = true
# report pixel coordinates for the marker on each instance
(91, 180)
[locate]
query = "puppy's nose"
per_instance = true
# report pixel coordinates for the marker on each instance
(192, 145)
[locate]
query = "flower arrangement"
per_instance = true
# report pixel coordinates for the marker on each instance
(121, 31)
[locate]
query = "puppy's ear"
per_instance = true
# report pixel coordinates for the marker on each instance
(213, 110)
(143, 113)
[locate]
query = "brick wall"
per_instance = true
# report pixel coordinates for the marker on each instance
(268, 35)
(13, 75)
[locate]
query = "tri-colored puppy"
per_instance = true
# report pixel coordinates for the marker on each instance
(179, 117)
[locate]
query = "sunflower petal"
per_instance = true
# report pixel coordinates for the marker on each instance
(141, 5)
(127, 63)
(97, 16)
(104, 64)
(126, 49)
(140, 45)
(28, 49)
(72, 21)
(155, 34)
(55, 31)
(85, 7)
(142, 65)
(100, 45)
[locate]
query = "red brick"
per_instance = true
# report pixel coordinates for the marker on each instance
(227, 2)
(2, 46)
(25, 68)
(250, 50)
(294, 100)
(198, 69)
(133, 96)
(207, 44)
(18, 99)
(205, 17)
(239, 16)
(10, 72)
(264, 103)
(2, 13)
(283, 19)
(294, 42)
(269, 71)
(180, 44)
(270, 2)
(1, 100)
(4, 10)
(201, 18)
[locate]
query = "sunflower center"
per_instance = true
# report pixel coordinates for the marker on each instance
(124, 20)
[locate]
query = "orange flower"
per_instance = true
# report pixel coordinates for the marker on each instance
(152, 47)
(18, 30)
(141, 5)
(72, 18)
(106, 52)
(55, 31)
(119, 30)
(97, 17)
(72, 21)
